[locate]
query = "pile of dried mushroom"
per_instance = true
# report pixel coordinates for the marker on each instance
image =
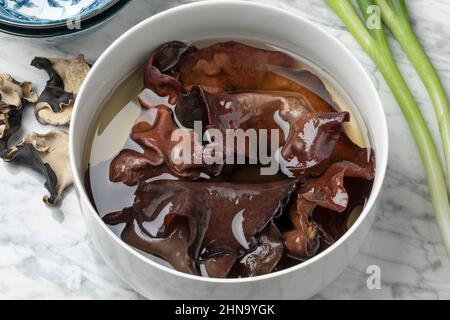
(45, 153)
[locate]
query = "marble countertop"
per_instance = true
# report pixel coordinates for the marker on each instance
(46, 254)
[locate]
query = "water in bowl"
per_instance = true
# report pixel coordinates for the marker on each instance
(110, 133)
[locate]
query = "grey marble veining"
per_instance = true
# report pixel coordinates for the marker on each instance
(46, 253)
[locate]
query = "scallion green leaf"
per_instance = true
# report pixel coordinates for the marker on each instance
(375, 43)
(395, 16)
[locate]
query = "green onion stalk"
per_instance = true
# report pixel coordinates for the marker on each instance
(374, 42)
(395, 16)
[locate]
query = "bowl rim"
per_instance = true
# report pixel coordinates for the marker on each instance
(48, 24)
(62, 32)
(381, 166)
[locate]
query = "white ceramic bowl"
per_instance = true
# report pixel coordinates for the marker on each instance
(238, 20)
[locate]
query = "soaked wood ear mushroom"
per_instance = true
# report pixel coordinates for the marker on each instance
(153, 132)
(234, 220)
(329, 192)
(260, 260)
(229, 66)
(310, 136)
(56, 101)
(160, 73)
(264, 258)
(189, 223)
(47, 154)
(12, 97)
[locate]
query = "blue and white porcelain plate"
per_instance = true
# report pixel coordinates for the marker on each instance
(49, 13)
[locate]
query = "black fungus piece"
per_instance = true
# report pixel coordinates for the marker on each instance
(10, 122)
(13, 96)
(65, 78)
(48, 155)
(26, 155)
(188, 222)
(53, 94)
(161, 71)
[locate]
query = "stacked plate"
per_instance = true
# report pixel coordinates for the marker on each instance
(55, 18)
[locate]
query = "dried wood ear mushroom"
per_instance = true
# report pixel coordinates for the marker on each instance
(48, 154)
(12, 92)
(56, 101)
(12, 97)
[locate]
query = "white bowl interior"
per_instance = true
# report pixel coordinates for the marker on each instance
(238, 20)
